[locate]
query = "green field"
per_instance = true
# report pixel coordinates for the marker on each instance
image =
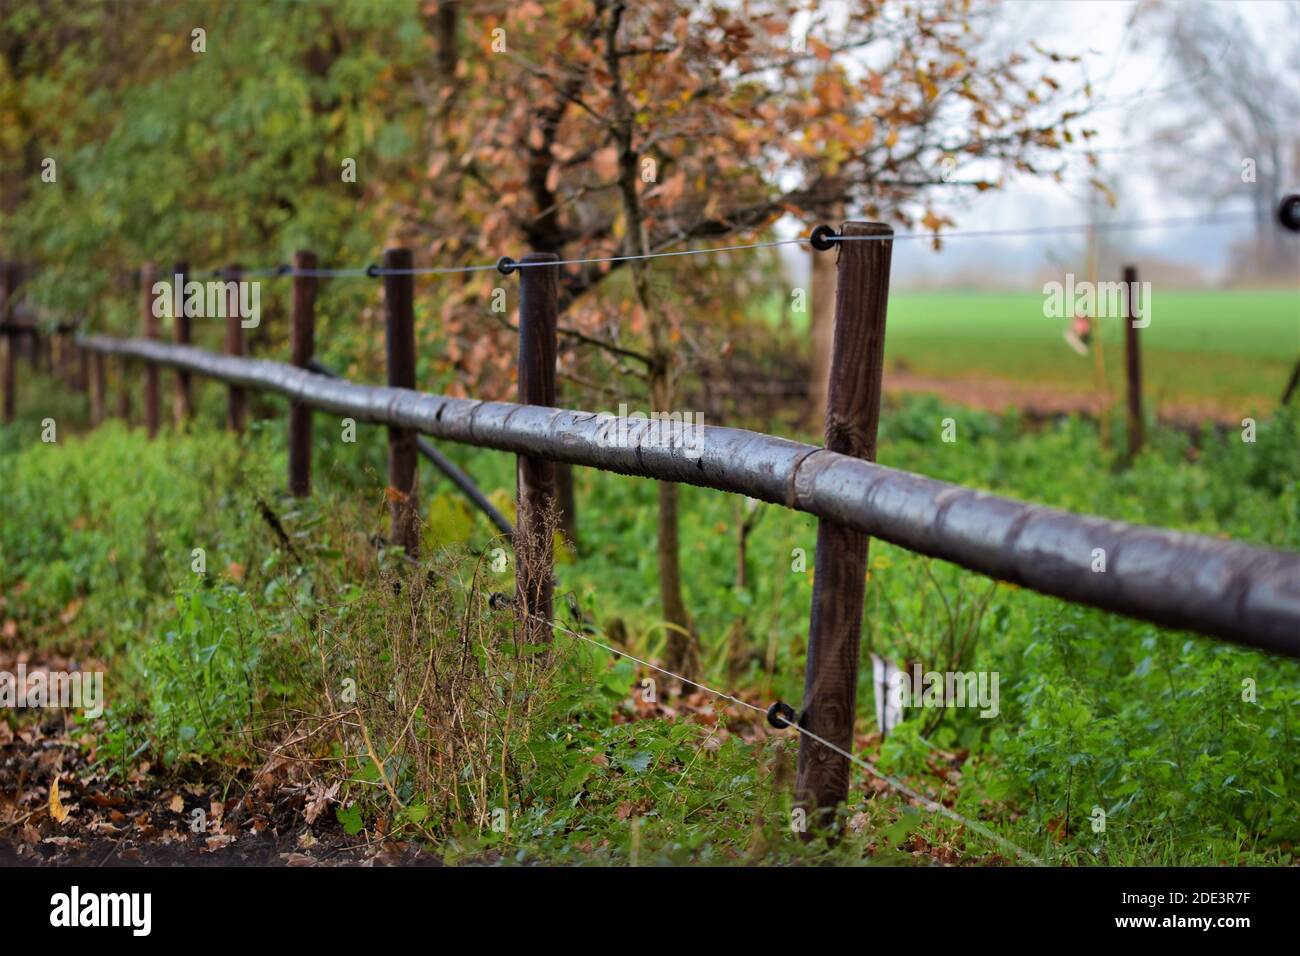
(1236, 348)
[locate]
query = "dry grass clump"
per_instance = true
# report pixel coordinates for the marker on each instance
(424, 692)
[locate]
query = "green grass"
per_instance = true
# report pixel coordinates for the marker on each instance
(1228, 347)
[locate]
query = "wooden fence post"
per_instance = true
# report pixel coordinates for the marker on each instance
(236, 405)
(566, 501)
(302, 346)
(124, 392)
(8, 279)
(535, 477)
(56, 353)
(151, 412)
(1133, 356)
(182, 334)
(96, 372)
(83, 366)
(403, 451)
(839, 582)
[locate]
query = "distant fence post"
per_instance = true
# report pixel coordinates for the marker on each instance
(302, 348)
(96, 373)
(124, 392)
(9, 281)
(566, 501)
(182, 334)
(839, 581)
(403, 450)
(236, 405)
(535, 477)
(151, 413)
(83, 365)
(1133, 357)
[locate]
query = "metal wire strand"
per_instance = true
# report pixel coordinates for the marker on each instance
(376, 271)
(932, 805)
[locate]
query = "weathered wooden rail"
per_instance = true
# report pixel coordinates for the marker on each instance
(1243, 594)
(1224, 589)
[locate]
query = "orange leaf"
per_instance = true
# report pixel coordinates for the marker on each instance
(57, 811)
(70, 612)
(606, 162)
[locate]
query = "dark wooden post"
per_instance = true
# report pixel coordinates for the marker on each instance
(302, 346)
(151, 397)
(56, 352)
(9, 281)
(237, 404)
(124, 391)
(566, 502)
(83, 366)
(1133, 356)
(182, 334)
(1291, 383)
(839, 582)
(535, 477)
(403, 450)
(96, 372)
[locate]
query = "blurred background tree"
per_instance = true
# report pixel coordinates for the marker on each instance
(590, 128)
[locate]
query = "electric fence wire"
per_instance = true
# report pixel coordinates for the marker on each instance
(931, 805)
(507, 265)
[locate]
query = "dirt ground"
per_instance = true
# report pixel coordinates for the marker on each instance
(1040, 400)
(250, 816)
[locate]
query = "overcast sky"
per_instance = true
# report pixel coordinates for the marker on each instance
(1134, 82)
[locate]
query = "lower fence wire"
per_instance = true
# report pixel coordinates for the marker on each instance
(932, 805)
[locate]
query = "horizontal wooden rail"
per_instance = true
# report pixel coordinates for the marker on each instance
(449, 468)
(1224, 589)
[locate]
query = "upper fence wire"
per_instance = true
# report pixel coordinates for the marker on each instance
(507, 264)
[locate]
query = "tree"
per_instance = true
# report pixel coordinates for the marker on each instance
(590, 128)
(1238, 135)
(594, 129)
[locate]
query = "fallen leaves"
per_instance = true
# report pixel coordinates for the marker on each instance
(319, 799)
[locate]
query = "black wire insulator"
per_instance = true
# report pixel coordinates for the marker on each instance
(1289, 212)
(781, 715)
(821, 238)
(284, 270)
(372, 270)
(506, 265)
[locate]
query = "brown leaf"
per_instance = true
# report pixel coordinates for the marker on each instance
(70, 612)
(606, 162)
(177, 804)
(320, 799)
(220, 841)
(57, 811)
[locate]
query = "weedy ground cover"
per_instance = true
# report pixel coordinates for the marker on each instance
(246, 633)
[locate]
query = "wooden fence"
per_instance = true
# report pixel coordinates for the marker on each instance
(1243, 594)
